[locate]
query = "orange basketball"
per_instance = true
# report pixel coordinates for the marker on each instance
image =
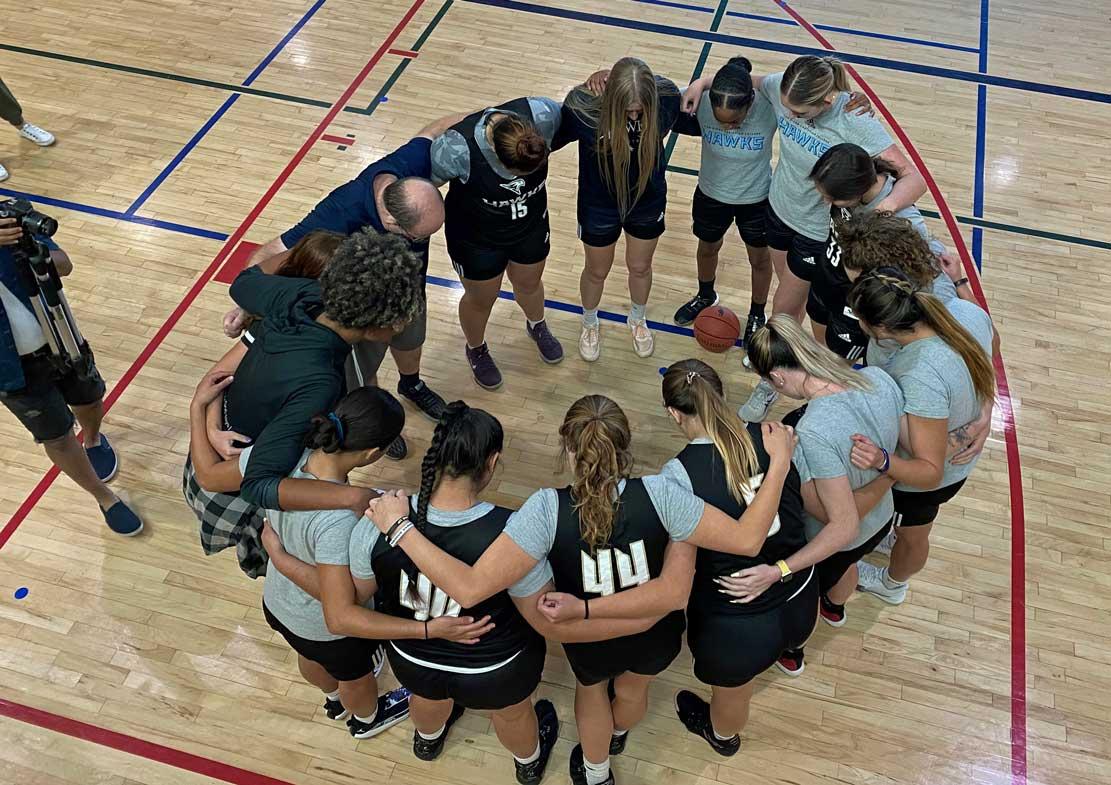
(717, 328)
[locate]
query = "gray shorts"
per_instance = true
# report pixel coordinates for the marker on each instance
(367, 356)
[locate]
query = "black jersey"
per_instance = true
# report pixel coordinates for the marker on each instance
(491, 209)
(831, 286)
(787, 535)
(424, 601)
(633, 555)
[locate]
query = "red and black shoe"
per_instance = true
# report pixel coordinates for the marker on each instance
(791, 662)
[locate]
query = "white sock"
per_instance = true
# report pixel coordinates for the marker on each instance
(332, 696)
(433, 736)
(533, 324)
(472, 348)
(370, 719)
(719, 737)
(596, 773)
(637, 312)
(534, 756)
(617, 732)
(890, 582)
(590, 317)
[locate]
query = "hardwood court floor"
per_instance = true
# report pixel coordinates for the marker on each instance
(174, 121)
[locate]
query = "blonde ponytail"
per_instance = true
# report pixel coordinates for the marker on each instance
(809, 80)
(951, 331)
(782, 343)
(694, 388)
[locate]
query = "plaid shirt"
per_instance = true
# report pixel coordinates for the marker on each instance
(226, 521)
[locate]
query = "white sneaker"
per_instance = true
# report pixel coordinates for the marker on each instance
(590, 342)
(873, 580)
(758, 405)
(643, 342)
(3, 173)
(39, 136)
(888, 542)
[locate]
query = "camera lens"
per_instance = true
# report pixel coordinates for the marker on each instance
(37, 223)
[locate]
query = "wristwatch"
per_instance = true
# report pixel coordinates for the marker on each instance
(785, 573)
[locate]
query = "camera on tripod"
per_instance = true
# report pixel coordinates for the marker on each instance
(44, 286)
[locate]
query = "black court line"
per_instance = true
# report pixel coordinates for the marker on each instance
(172, 77)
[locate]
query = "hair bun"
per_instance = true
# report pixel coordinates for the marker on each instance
(743, 62)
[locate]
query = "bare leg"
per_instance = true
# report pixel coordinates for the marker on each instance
(89, 418)
(594, 718)
(638, 259)
(707, 256)
(315, 675)
(845, 587)
(630, 702)
(592, 281)
(68, 455)
(360, 697)
(790, 295)
(474, 308)
(729, 708)
(911, 551)
(528, 290)
(760, 260)
(429, 717)
(407, 361)
(517, 728)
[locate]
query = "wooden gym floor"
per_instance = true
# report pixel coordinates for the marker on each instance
(185, 128)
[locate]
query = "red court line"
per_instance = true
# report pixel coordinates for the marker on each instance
(134, 746)
(194, 291)
(348, 140)
(1010, 436)
(404, 52)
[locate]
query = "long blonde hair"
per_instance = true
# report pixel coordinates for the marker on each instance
(596, 432)
(810, 79)
(887, 298)
(630, 81)
(694, 388)
(782, 343)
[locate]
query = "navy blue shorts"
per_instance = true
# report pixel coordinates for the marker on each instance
(803, 253)
(599, 227)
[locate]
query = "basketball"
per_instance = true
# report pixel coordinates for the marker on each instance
(717, 328)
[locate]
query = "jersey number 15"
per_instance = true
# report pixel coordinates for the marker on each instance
(518, 210)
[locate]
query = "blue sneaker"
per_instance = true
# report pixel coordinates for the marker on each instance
(122, 520)
(393, 707)
(104, 460)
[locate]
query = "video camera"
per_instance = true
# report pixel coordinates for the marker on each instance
(44, 286)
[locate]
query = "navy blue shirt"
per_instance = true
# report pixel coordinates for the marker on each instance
(351, 207)
(593, 190)
(11, 370)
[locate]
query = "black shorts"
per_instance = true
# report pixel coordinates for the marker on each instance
(477, 260)
(497, 689)
(834, 568)
(731, 650)
(712, 219)
(345, 659)
(917, 508)
(42, 405)
(646, 653)
(843, 334)
(600, 227)
(803, 253)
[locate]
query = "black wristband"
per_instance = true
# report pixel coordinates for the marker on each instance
(959, 283)
(426, 629)
(586, 609)
(392, 529)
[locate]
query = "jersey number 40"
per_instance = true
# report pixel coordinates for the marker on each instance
(429, 602)
(632, 569)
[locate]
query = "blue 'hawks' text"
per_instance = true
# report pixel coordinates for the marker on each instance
(753, 142)
(795, 133)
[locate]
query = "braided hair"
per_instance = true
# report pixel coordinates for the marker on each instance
(888, 298)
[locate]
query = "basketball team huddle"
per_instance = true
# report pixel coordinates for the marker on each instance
(753, 532)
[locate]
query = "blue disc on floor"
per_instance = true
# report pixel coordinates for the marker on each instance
(663, 371)
(21, 592)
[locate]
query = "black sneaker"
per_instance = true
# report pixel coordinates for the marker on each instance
(551, 350)
(532, 773)
(755, 322)
(393, 707)
(578, 768)
(334, 709)
(483, 367)
(430, 749)
(617, 740)
(694, 713)
(424, 398)
(692, 307)
(398, 449)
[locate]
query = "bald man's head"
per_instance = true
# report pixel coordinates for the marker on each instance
(415, 207)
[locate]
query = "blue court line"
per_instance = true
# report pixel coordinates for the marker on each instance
(755, 43)
(117, 215)
(981, 142)
(828, 28)
(224, 107)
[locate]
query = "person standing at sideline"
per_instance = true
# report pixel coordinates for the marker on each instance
(11, 111)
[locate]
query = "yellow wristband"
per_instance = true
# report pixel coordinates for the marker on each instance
(784, 570)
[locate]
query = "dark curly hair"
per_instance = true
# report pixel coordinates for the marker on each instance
(876, 240)
(373, 281)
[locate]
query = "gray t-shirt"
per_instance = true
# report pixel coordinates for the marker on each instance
(315, 537)
(801, 144)
(825, 442)
(451, 156)
(911, 213)
(936, 383)
(736, 164)
(533, 527)
(366, 535)
(879, 352)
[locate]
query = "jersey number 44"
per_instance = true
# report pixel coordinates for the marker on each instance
(429, 602)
